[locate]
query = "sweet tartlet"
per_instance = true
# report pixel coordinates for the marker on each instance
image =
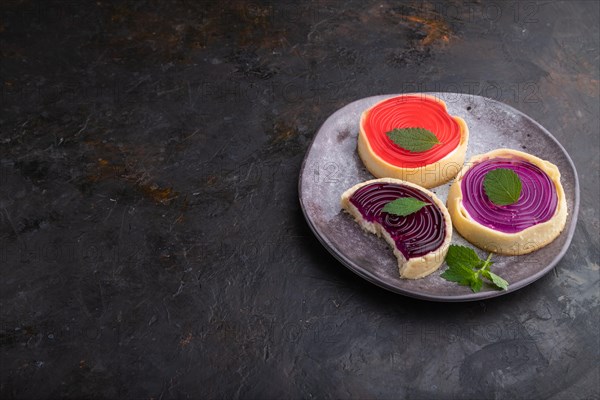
(420, 240)
(430, 168)
(532, 222)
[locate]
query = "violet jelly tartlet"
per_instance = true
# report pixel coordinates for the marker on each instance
(419, 240)
(534, 219)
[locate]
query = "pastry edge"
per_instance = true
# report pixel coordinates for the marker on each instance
(413, 268)
(526, 241)
(428, 176)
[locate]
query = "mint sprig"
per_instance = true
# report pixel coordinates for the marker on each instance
(467, 269)
(502, 186)
(404, 206)
(415, 140)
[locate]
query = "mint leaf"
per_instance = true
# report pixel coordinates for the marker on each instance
(463, 276)
(487, 263)
(404, 206)
(459, 274)
(496, 280)
(466, 268)
(502, 186)
(476, 284)
(461, 255)
(413, 139)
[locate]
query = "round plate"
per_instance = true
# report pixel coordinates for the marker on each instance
(332, 165)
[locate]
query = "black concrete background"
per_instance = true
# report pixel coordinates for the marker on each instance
(152, 245)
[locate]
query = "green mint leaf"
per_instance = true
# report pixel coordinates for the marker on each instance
(466, 268)
(461, 255)
(404, 206)
(464, 276)
(476, 284)
(502, 186)
(459, 274)
(414, 140)
(496, 280)
(487, 263)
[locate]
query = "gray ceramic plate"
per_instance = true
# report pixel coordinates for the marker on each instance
(332, 165)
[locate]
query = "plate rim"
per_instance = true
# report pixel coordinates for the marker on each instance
(445, 298)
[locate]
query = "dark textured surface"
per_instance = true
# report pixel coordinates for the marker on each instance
(152, 244)
(492, 125)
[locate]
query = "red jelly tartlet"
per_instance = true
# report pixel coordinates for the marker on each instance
(429, 168)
